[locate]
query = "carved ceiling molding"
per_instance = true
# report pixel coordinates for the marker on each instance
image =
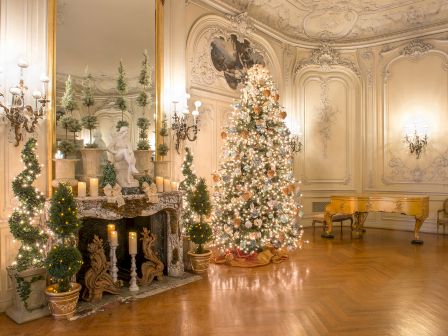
(326, 58)
(416, 48)
(345, 23)
(241, 23)
(201, 69)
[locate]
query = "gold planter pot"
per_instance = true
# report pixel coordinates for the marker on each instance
(63, 305)
(199, 262)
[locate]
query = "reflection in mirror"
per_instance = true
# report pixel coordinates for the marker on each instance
(105, 55)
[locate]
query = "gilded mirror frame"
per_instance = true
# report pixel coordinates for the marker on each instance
(51, 112)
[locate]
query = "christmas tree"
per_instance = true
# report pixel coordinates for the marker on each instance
(68, 122)
(22, 221)
(187, 186)
(163, 148)
(109, 175)
(255, 187)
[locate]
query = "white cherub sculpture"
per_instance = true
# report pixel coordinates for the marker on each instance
(123, 158)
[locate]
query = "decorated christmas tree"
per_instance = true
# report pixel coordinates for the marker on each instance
(255, 189)
(187, 186)
(109, 175)
(22, 221)
(122, 88)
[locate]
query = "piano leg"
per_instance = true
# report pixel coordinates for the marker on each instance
(358, 227)
(418, 225)
(329, 227)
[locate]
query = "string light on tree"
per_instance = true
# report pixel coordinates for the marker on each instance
(187, 186)
(255, 188)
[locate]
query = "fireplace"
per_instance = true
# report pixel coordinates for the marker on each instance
(160, 218)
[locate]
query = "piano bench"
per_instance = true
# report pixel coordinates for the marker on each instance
(341, 218)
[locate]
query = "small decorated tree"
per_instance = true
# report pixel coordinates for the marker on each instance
(68, 122)
(187, 186)
(144, 99)
(68, 100)
(89, 122)
(122, 88)
(109, 175)
(163, 148)
(22, 221)
(64, 260)
(200, 232)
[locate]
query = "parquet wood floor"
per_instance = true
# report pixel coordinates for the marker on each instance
(379, 285)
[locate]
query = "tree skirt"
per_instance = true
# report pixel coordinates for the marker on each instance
(238, 259)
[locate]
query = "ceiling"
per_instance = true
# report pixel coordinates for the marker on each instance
(347, 20)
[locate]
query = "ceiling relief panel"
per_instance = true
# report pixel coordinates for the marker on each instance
(344, 21)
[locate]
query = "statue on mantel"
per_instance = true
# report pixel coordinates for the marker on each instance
(123, 158)
(153, 267)
(97, 279)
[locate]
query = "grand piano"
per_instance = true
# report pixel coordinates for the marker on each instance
(361, 205)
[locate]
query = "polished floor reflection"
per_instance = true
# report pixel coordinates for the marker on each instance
(379, 285)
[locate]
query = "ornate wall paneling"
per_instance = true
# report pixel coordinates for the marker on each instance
(214, 34)
(327, 87)
(414, 89)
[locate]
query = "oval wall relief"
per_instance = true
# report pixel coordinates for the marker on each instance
(329, 24)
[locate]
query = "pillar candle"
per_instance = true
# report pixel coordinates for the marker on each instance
(82, 189)
(174, 186)
(113, 238)
(132, 242)
(110, 228)
(166, 185)
(159, 183)
(93, 187)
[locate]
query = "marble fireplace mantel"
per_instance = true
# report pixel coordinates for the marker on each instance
(139, 206)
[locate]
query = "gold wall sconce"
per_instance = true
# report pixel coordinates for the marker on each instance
(416, 139)
(20, 116)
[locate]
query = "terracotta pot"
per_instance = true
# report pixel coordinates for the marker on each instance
(199, 262)
(63, 305)
(35, 306)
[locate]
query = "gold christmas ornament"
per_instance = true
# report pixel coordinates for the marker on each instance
(237, 222)
(247, 195)
(291, 188)
(257, 109)
(223, 135)
(215, 177)
(245, 134)
(276, 97)
(283, 114)
(266, 93)
(271, 173)
(285, 190)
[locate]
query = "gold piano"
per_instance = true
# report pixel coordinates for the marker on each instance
(361, 205)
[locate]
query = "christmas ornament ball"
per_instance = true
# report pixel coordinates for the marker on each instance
(283, 114)
(223, 135)
(266, 93)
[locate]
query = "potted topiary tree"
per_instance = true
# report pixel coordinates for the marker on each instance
(199, 231)
(122, 88)
(161, 167)
(91, 154)
(64, 260)
(65, 166)
(27, 272)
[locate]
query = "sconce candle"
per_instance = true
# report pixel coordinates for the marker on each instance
(82, 189)
(93, 186)
(132, 243)
(159, 183)
(182, 128)
(174, 186)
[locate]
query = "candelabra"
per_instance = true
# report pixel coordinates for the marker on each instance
(181, 127)
(133, 283)
(416, 143)
(21, 116)
(296, 144)
(113, 262)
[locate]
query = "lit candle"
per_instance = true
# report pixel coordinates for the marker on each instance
(113, 238)
(110, 228)
(14, 91)
(132, 242)
(166, 185)
(82, 189)
(37, 94)
(58, 155)
(93, 187)
(174, 186)
(159, 183)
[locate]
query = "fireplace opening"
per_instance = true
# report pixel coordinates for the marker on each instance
(157, 224)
